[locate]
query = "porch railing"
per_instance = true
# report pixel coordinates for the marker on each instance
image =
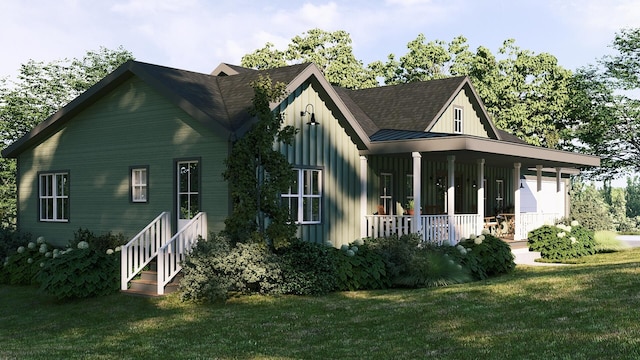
(171, 254)
(435, 228)
(139, 252)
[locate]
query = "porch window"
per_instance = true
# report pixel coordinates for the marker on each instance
(409, 188)
(499, 195)
(386, 193)
(54, 197)
(139, 184)
(304, 197)
(457, 120)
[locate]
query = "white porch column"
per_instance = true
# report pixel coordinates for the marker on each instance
(480, 200)
(416, 222)
(451, 198)
(560, 209)
(516, 201)
(538, 188)
(363, 196)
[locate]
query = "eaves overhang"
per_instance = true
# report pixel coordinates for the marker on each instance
(472, 148)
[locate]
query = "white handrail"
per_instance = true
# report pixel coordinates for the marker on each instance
(435, 228)
(171, 254)
(139, 252)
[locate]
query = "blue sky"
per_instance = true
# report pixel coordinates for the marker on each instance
(198, 34)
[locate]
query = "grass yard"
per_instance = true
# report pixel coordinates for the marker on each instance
(583, 311)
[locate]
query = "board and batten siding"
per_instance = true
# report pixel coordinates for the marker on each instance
(433, 198)
(325, 146)
(471, 124)
(131, 126)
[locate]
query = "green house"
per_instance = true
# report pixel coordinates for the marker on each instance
(144, 149)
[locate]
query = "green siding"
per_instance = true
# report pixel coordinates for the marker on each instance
(326, 146)
(132, 125)
(472, 123)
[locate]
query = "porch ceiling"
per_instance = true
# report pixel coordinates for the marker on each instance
(469, 149)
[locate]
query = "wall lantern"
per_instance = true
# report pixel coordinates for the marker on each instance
(312, 121)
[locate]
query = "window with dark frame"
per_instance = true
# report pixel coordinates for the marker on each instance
(53, 197)
(457, 120)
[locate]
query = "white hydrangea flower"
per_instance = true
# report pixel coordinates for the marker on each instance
(358, 242)
(40, 240)
(350, 253)
(354, 249)
(43, 248)
(118, 248)
(450, 262)
(48, 254)
(109, 251)
(561, 234)
(31, 245)
(344, 247)
(83, 245)
(485, 232)
(472, 236)
(575, 223)
(573, 240)
(21, 249)
(30, 260)
(477, 241)
(41, 264)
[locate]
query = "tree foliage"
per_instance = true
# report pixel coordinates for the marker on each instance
(589, 207)
(258, 174)
(605, 113)
(525, 93)
(39, 90)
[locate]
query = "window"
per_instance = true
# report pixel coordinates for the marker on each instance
(499, 195)
(304, 198)
(386, 193)
(54, 197)
(409, 188)
(457, 120)
(188, 175)
(139, 184)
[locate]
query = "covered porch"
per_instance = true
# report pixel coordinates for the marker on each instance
(448, 195)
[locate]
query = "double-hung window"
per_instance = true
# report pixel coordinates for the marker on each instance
(139, 184)
(53, 196)
(457, 120)
(304, 198)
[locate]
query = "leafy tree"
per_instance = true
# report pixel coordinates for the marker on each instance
(39, 91)
(605, 112)
(257, 174)
(588, 206)
(330, 51)
(633, 197)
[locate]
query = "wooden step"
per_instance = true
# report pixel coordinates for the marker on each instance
(147, 284)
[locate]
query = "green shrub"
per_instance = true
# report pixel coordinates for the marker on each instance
(100, 243)
(562, 242)
(361, 267)
(429, 267)
(308, 268)
(396, 252)
(22, 267)
(486, 255)
(214, 268)
(80, 273)
(201, 281)
(10, 240)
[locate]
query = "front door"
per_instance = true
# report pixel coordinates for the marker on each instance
(187, 191)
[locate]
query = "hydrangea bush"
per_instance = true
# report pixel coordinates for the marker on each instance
(22, 267)
(486, 255)
(562, 242)
(360, 267)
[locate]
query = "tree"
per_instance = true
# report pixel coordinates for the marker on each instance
(605, 116)
(588, 206)
(258, 174)
(39, 91)
(330, 51)
(633, 197)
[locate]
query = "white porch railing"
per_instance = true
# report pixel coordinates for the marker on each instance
(171, 254)
(435, 228)
(139, 252)
(532, 221)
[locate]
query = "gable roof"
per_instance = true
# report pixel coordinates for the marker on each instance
(380, 120)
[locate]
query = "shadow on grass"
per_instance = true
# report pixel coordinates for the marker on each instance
(580, 311)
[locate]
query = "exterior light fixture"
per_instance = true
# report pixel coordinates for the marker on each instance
(312, 121)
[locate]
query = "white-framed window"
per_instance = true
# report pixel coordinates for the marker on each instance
(409, 187)
(457, 120)
(53, 196)
(139, 184)
(386, 192)
(304, 198)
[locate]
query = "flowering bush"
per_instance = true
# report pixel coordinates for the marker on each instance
(486, 255)
(22, 267)
(360, 267)
(562, 242)
(80, 273)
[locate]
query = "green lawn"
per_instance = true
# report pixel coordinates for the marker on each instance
(584, 311)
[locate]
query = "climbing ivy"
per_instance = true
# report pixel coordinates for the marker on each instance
(258, 174)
